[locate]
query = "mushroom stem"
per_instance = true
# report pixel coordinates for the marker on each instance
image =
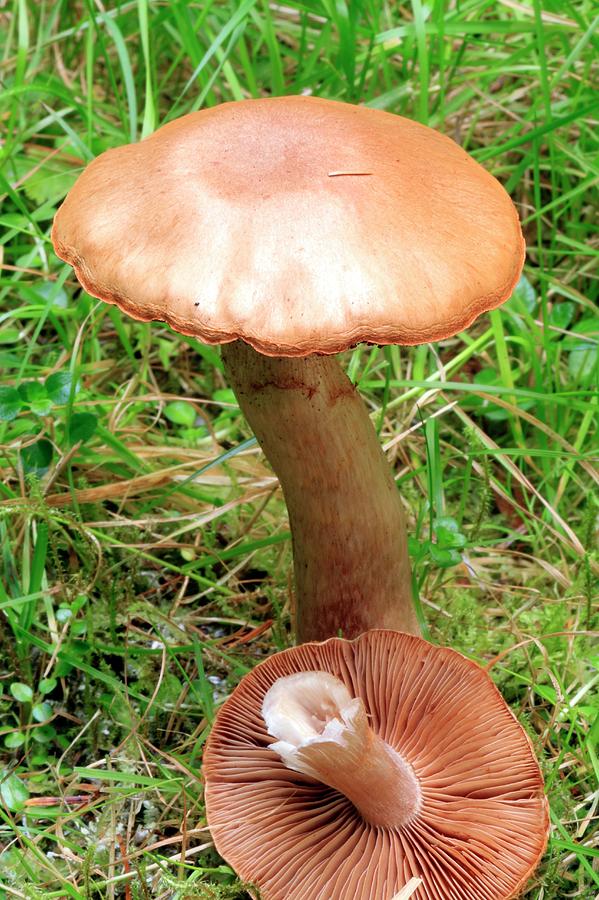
(352, 570)
(324, 733)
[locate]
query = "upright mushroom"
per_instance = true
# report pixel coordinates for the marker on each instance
(345, 769)
(290, 229)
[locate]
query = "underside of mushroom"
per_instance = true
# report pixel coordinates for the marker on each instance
(344, 770)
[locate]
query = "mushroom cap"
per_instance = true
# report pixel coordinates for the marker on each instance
(483, 821)
(297, 224)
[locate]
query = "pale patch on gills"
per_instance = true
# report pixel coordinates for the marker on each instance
(410, 888)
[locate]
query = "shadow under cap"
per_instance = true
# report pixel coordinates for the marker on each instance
(483, 822)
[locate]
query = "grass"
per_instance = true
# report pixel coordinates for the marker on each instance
(144, 547)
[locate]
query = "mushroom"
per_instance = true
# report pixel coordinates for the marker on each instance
(346, 769)
(289, 229)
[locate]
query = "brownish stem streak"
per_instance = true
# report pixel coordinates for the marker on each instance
(351, 563)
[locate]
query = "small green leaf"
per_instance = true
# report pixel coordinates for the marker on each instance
(39, 758)
(585, 330)
(562, 314)
(79, 602)
(417, 549)
(37, 457)
(10, 336)
(225, 395)
(42, 407)
(47, 685)
(31, 391)
(523, 296)
(81, 427)
(9, 360)
(448, 533)
(47, 183)
(165, 351)
(49, 291)
(36, 396)
(582, 362)
(180, 413)
(41, 712)
(12, 791)
(21, 692)
(63, 668)
(446, 522)
(44, 734)
(10, 403)
(58, 387)
(483, 378)
(14, 740)
(490, 410)
(444, 557)
(446, 539)
(188, 554)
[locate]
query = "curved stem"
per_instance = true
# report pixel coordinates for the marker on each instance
(351, 563)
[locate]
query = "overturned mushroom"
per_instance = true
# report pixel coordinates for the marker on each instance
(289, 229)
(346, 769)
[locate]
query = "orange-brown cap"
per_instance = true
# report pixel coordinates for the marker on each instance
(480, 825)
(297, 224)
